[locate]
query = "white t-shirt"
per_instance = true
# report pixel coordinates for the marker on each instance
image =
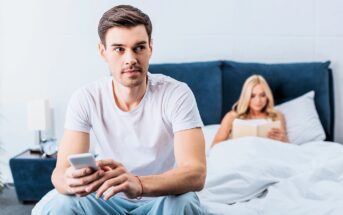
(142, 139)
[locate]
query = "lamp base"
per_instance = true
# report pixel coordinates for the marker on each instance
(35, 151)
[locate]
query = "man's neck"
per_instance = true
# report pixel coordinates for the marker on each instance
(127, 98)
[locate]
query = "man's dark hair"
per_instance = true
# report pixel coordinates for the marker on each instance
(123, 16)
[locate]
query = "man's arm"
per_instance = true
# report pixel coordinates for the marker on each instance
(188, 175)
(190, 172)
(65, 179)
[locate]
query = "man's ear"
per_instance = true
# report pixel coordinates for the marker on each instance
(102, 49)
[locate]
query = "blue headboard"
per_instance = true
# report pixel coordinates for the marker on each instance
(217, 85)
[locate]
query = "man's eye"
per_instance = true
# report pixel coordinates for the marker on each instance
(119, 49)
(139, 48)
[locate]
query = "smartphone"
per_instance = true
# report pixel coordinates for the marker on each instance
(84, 160)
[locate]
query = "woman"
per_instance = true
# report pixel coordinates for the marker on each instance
(255, 102)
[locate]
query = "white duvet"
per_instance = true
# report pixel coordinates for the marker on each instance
(260, 176)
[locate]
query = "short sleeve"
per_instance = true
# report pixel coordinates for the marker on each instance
(78, 113)
(182, 109)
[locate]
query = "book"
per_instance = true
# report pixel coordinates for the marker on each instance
(257, 128)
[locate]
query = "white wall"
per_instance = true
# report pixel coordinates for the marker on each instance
(49, 48)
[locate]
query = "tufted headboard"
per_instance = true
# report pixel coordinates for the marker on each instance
(217, 85)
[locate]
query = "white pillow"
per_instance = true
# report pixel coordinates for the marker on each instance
(209, 134)
(302, 121)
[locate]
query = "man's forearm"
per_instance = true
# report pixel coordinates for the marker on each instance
(176, 181)
(59, 182)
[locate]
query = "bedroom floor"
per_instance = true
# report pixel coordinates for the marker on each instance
(9, 204)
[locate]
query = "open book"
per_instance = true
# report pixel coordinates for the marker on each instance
(259, 128)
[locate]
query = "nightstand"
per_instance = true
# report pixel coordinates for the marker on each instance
(32, 175)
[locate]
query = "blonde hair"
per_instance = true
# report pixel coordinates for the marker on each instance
(241, 107)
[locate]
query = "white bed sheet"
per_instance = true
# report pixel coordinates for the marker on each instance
(261, 176)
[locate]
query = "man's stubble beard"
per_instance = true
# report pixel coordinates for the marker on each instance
(134, 82)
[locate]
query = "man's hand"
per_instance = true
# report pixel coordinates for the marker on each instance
(78, 180)
(277, 134)
(116, 179)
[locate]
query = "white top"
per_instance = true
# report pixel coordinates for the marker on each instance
(142, 139)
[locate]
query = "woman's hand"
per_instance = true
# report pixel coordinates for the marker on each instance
(277, 134)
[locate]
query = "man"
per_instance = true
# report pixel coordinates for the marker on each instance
(148, 128)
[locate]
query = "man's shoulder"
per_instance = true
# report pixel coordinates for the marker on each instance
(164, 81)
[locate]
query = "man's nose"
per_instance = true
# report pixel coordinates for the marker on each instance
(130, 58)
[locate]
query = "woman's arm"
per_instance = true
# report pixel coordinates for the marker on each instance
(283, 127)
(224, 130)
(281, 133)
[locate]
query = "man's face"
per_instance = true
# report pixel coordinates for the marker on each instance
(127, 53)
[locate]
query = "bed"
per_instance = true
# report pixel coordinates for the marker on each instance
(254, 175)
(217, 84)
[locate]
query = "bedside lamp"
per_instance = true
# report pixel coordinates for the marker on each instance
(39, 118)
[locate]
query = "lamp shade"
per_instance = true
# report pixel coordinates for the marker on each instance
(38, 114)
